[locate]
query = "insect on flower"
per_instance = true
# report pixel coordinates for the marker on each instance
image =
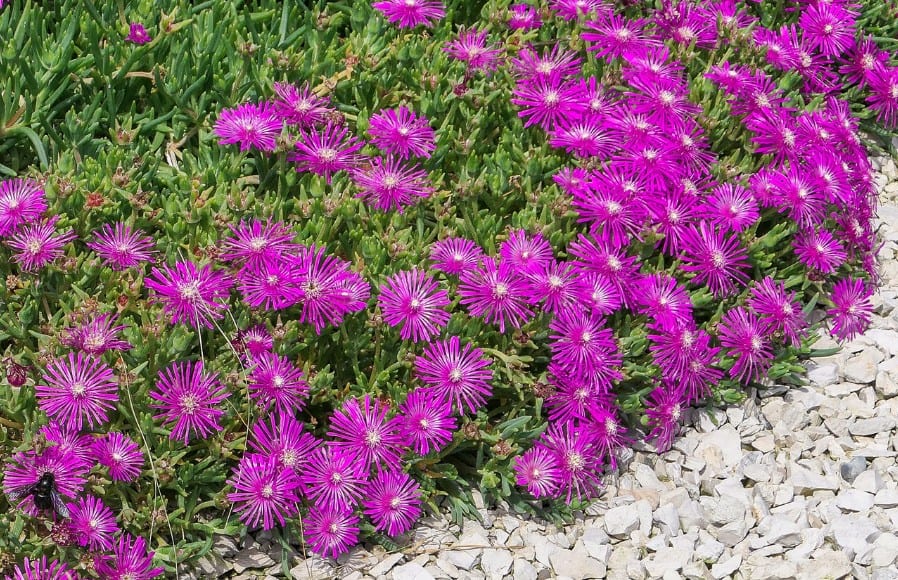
(44, 494)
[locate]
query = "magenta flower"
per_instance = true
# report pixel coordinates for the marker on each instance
(599, 293)
(426, 421)
(38, 244)
(275, 382)
(270, 285)
(574, 452)
(584, 137)
(883, 96)
(684, 354)
(21, 202)
(264, 491)
(748, 342)
(457, 375)
(661, 298)
(249, 125)
(256, 243)
(329, 531)
(731, 207)
(415, 301)
(129, 560)
(137, 34)
(411, 13)
(607, 430)
(781, 312)
(191, 294)
(41, 569)
(455, 255)
(572, 394)
(614, 36)
(334, 478)
(284, 439)
(300, 106)
(401, 132)
(523, 17)
(96, 336)
(120, 455)
(120, 247)
(497, 293)
(557, 62)
(72, 443)
(828, 27)
(93, 523)
(852, 308)
(545, 102)
(470, 47)
(328, 288)
(574, 9)
(389, 184)
(363, 430)
(524, 253)
(558, 285)
(326, 151)
(189, 397)
(579, 341)
(539, 471)
(27, 468)
(663, 409)
(819, 250)
(77, 391)
(255, 340)
(716, 259)
(393, 502)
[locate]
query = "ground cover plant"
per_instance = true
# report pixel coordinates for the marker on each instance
(318, 268)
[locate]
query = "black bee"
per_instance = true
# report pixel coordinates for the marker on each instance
(43, 493)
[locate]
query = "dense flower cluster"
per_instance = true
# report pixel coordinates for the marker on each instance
(666, 228)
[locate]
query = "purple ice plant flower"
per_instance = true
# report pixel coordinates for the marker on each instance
(362, 429)
(393, 502)
(526, 254)
(779, 310)
(41, 569)
(78, 446)
(193, 294)
(250, 125)
(130, 560)
(574, 451)
(390, 184)
(664, 408)
(497, 292)
(270, 285)
(524, 17)
(731, 207)
(661, 298)
(426, 421)
(93, 523)
(411, 13)
(819, 250)
(120, 455)
(413, 300)
(329, 289)
(283, 438)
(529, 64)
(274, 382)
(579, 341)
(300, 106)
(575, 9)
(852, 308)
(716, 259)
(253, 244)
(38, 244)
(21, 202)
(326, 151)
(455, 255)
(883, 94)
(26, 468)
(96, 336)
(121, 247)
(402, 133)
(334, 478)
(558, 286)
(330, 531)
(539, 471)
(255, 340)
(545, 102)
(77, 391)
(264, 491)
(189, 397)
(137, 34)
(470, 46)
(748, 342)
(828, 27)
(457, 375)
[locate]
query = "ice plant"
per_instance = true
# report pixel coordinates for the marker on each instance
(38, 244)
(192, 294)
(300, 106)
(539, 471)
(455, 255)
(189, 397)
(121, 247)
(256, 243)
(457, 375)
(137, 34)
(93, 523)
(274, 382)
(27, 468)
(413, 300)
(402, 132)
(120, 455)
(249, 125)
(326, 151)
(426, 421)
(329, 531)
(411, 13)
(334, 477)
(390, 184)
(264, 491)
(41, 569)
(284, 439)
(497, 292)
(21, 202)
(77, 391)
(743, 334)
(851, 309)
(96, 336)
(129, 560)
(362, 429)
(393, 502)
(471, 48)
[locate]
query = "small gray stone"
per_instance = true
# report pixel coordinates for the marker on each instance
(723, 510)
(872, 426)
(667, 516)
(730, 534)
(726, 440)
(852, 468)
(854, 500)
(251, 558)
(886, 386)
(523, 570)
(825, 563)
(462, 559)
(886, 498)
(869, 481)
(861, 369)
(411, 571)
(666, 559)
(622, 520)
(496, 562)
(386, 564)
(802, 478)
(727, 567)
(576, 564)
(885, 550)
(853, 532)
(824, 375)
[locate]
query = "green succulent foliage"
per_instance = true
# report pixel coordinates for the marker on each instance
(120, 132)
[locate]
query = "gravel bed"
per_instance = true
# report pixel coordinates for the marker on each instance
(793, 483)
